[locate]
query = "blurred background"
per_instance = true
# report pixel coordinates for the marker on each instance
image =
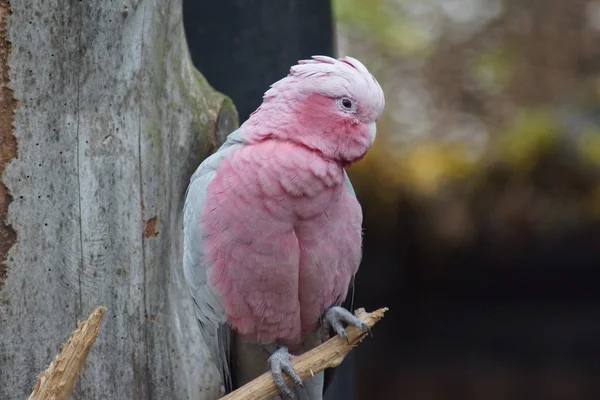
(481, 194)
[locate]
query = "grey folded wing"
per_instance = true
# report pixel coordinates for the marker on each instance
(207, 306)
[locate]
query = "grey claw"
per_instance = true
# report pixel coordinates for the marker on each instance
(280, 362)
(289, 369)
(334, 317)
(365, 327)
(343, 334)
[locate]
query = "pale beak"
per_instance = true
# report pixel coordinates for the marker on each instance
(372, 131)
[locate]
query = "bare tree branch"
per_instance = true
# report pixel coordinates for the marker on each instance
(328, 355)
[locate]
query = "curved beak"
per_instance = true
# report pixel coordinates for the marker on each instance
(372, 131)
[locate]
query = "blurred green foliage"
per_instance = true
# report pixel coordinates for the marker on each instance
(520, 87)
(392, 32)
(530, 134)
(493, 69)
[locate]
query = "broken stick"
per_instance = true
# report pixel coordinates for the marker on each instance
(58, 380)
(328, 355)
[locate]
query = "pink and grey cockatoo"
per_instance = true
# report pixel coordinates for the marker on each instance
(272, 227)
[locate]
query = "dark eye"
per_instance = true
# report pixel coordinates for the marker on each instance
(346, 104)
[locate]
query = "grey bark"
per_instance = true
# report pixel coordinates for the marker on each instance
(112, 120)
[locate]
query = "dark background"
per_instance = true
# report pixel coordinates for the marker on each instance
(492, 280)
(242, 47)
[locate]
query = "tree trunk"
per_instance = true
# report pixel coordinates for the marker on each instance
(110, 120)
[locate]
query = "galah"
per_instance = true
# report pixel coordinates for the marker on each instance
(272, 227)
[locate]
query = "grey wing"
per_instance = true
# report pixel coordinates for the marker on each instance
(207, 306)
(349, 184)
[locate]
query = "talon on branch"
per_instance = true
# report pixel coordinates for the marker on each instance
(328, 355)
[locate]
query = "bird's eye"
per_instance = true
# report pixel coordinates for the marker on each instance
(347, 104)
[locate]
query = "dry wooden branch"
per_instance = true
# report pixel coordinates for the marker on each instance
(57, 382)
(328, 355)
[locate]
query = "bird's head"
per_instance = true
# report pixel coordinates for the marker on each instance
(328, 105)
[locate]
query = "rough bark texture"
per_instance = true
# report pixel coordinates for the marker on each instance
(112, 121)
(8, 148)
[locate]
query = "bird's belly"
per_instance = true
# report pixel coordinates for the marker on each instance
(330, 253)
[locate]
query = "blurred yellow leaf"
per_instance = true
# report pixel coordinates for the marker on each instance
(531, 135)
(428, 166)
(589, 146)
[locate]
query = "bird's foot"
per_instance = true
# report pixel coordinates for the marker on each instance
(336, 316)
(280, 362)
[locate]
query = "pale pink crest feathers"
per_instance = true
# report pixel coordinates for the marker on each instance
(333, 78)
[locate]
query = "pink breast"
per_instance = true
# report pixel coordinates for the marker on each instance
(330, 255)
(279, 259)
